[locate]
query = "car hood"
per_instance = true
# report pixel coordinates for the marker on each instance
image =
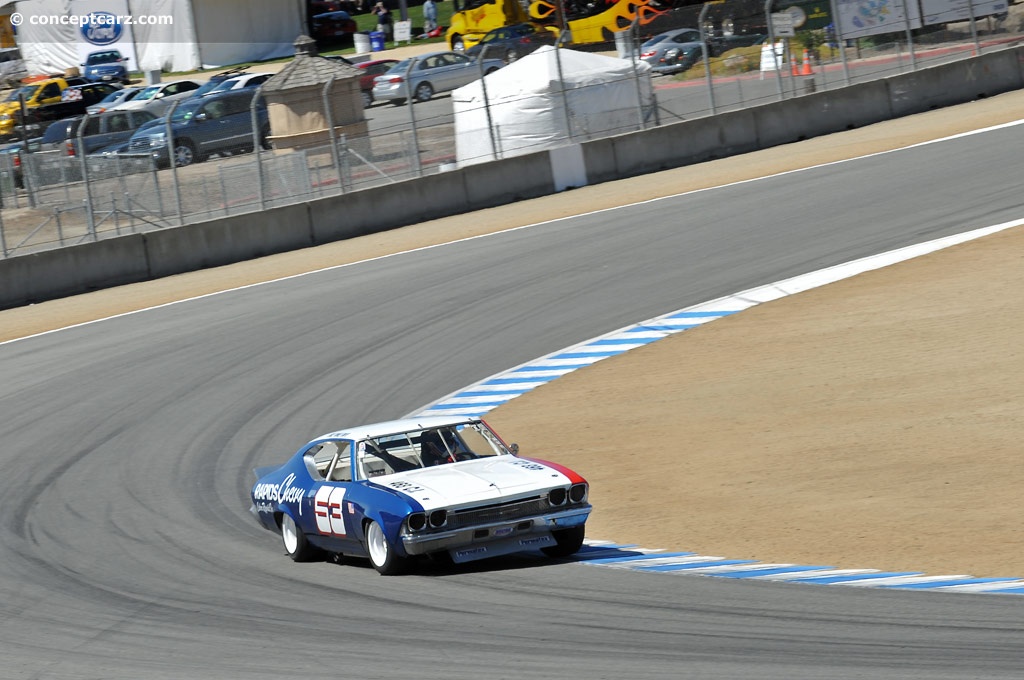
(472, 482)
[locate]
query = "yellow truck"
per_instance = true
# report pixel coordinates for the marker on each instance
(38, 93)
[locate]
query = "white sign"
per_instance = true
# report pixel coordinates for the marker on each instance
(944, 11)
(403, 31)
(858, 18)
(782, 25)
(770, 62)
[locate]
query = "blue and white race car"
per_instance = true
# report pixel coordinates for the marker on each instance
(435, 485)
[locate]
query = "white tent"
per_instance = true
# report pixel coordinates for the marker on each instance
(547, 99)
(166, 35)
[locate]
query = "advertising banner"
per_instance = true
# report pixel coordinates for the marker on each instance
(104, 25)
(859, 18)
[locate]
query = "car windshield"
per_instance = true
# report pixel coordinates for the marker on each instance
(103, 58)
(148, 93)
(428, 447)
(27, 90)
(224, 85)
(60, 131)
(186, 110)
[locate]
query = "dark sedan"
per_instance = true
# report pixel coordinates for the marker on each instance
(509, 43)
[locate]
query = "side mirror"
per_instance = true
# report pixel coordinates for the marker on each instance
(514, 448)
(200, 117)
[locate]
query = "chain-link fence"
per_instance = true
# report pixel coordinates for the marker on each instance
(673, 64)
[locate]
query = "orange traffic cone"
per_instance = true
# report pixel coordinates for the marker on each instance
(793, 70)
(806, 71)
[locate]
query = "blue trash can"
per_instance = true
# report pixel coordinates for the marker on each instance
(376, 41)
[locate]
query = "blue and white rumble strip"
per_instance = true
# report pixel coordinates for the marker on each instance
(488, 394)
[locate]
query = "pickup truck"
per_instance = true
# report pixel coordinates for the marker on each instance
(74, 101)
(36, 94)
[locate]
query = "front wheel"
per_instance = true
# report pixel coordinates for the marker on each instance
(184, 154)
(457, 44)
(567, 542)
(382, 554)
(295, 542)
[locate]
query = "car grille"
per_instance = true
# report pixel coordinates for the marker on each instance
(139, 144)
(497, 513)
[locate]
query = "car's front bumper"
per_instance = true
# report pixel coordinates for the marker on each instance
(497, 538)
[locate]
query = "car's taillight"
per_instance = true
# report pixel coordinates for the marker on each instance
(644, 55)
(395, 79)
(17, 160)
(70, 147)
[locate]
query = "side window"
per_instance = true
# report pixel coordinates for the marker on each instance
(92, 127)
(50, 90)
(237, 105)
(141, 117)
(118, 123)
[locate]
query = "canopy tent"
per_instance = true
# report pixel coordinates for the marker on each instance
(183, 35)
(547, 99)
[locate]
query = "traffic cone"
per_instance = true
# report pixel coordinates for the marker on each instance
(806, 71)
(793, 70)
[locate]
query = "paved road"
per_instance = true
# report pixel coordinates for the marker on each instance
(128, 551)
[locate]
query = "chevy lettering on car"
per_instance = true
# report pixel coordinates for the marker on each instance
(438, 486)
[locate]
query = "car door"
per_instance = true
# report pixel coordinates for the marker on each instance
(226, 122)
(327, 517)
(461, 70)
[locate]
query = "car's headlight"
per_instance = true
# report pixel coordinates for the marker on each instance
(417, 521)
(157, 140)
(578, 493)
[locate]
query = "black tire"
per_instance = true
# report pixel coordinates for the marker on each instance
(184, 153)
(397, 102)
(423, 93)
(367, 99)
(491, 70)
(457, 44)
(511, 56)
(296, 546)
(382, 554)
(567, 542)
(265, 140)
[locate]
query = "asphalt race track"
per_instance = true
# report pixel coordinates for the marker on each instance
(127, 549)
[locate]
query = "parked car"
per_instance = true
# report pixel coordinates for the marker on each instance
(113, 99)
(74, 101)
(38, 93)
(217, 123)
(372, 69)
(12, 67)
(333, 25)
(240, 82)
(509, 43)
(158, 98)
(101, 131)
(433, 72)
(438, 485)
(673, 51)
(106, 66)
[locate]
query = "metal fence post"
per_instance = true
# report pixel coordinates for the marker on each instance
(910, 37)
(487, 102)
(257, 147)
(840, 41)
(173, 160)
(80, 150)
(771, 44)
(561, 81)
(412, 115)
(706, 53)
(331, 133)
(974, 28)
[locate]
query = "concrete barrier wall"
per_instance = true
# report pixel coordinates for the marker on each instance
(128, 259)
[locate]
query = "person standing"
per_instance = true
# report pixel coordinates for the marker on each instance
(383, 19)
(429, 16)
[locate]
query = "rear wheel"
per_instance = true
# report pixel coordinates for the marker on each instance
(397, 102)
(424, 91)
(295, 543)
(567, 542)
(511, 56)
(382, 554)
(367, 99)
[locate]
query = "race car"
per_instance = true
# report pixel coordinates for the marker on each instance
(442, 486)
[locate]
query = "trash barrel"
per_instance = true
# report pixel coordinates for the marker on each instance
(376, 41)
(361, 41)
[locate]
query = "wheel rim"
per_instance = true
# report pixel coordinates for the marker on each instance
(376, 544)
(183, 155)
(424, 92)
(289, 534)
(511, 56)
(458, 45)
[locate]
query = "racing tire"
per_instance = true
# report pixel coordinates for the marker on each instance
(185, 154)
(296, 546)
(423, 93)
(382, 554)
(567, 542)
(457, 44)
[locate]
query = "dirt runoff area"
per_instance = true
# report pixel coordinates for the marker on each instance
(872, 423)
